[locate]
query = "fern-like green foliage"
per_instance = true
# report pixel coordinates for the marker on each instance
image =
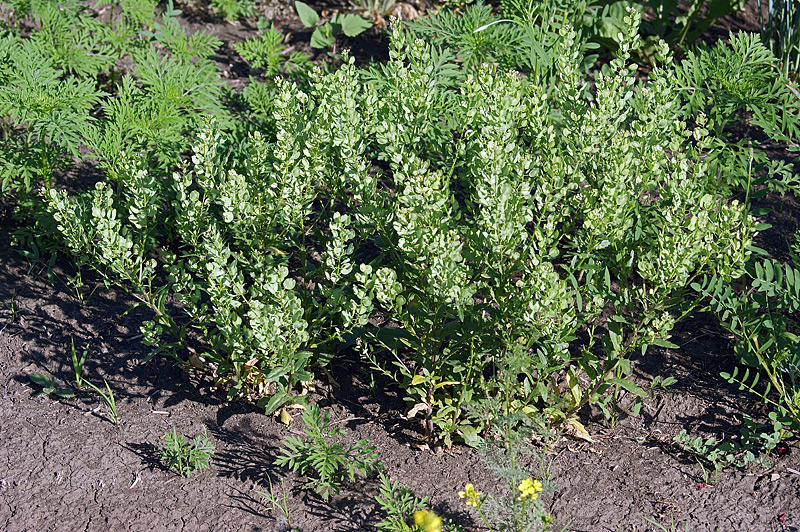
(726, 81)
(399, 505)
(455, 30)
(140, 13)
(324, 461)
(185, 457)
(199, 45)
(46, 112)
(264, 50)
(233, 10)
(192, 87)
(763, 321)
(153, 113)
(74, 39)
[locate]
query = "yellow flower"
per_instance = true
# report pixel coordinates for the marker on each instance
(473, 497)
(529, 489)
(428, 521)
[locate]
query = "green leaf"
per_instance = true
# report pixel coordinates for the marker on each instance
(664, 343)
(353, 25)
(418, 379)
(41, 379)
(271, 403)
(308, 16)
(669, 381)
(323, 36)
(628, 385)
(470, 435)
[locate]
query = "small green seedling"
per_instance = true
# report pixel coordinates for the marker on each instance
(324, 35)
(77, 363)
(279, 505)
(108, 399)
(49, 386)
(185, 457)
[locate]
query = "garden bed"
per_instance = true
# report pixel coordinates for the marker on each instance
(66, 466)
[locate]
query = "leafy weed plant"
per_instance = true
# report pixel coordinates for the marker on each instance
(326, 463)
(754, 445)
(185, 457)
(49, 386)
(233, 10)
(761, 318)
(399, 505)
(489, 215)
(325, 34)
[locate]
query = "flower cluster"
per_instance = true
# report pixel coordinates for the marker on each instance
(529, 489)
(428, 521)
(473, 497)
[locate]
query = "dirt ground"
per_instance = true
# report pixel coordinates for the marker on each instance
(65, 467)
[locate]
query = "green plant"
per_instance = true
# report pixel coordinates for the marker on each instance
(508, 454)
(199, 46)
(280, 505)
(542, 25)
(406, 512)
(50, 386)
(233, 10)
(399, 505)
(108, 400)
(678, 23)
(11, 306)
(520, 511)
(325, 34)
(78, 362)
(374, 9)
(707, 452)
(761, 318)
(239, 222)
(185, 457)
(34, 258)
(472, 36)
(727, 80)
(135, 12)
(326, 463)
(265, 51)
(72, 37)
(490, 220)
(500, 257)
(44, 115)
(753, 446)
(780, 32)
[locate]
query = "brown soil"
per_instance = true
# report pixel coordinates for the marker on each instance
(65, 467)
